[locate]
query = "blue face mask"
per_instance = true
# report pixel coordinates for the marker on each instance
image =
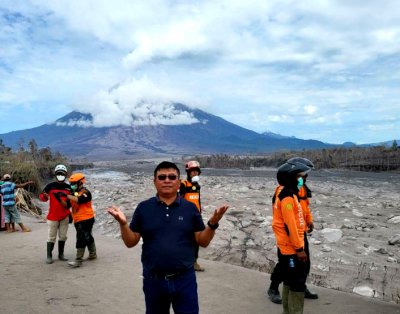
(74, 187)
(300, 182)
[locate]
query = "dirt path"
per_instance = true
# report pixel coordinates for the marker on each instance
(112, 283)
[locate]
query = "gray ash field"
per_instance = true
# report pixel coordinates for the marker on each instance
(356, 215)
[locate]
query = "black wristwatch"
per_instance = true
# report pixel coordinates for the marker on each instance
(212, 227)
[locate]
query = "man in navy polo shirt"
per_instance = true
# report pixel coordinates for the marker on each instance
(169, 226)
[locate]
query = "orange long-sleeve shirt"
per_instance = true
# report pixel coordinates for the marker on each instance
(82, 210)
(288, 222)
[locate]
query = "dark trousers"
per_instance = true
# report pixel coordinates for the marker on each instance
(307, 250)
(294, 276)
(278, 274)
(160, 293)
(84, 235)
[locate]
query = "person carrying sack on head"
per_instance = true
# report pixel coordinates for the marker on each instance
(7, 190)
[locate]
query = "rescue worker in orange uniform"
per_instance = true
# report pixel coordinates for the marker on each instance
(190, 191)
(289, 225)
(83, 216)
(303, 195)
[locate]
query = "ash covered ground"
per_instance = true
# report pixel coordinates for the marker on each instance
(355, 246)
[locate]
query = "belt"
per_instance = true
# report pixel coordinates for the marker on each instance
(169, 276)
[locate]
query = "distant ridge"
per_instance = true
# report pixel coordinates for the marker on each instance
(72, 136)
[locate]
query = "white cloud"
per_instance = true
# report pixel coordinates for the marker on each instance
(329, 62)
(310, 109)
(135, 102)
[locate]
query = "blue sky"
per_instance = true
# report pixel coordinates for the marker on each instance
(325, 70)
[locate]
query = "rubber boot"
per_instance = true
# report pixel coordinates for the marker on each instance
(310, 295)
(274, 296)
(92, 251)
(197, 267)
(285, 299)
(79, 258)
(296, 302)
(50, 247)
(61, 245)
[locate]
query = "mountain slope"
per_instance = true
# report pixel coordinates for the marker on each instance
(211, 134)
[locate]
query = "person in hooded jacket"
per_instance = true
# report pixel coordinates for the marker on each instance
(190, 191)
(58, 215)
(289, 225)
(304, 194)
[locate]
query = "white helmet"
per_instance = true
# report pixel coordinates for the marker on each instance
(192, 165)
(60, 168)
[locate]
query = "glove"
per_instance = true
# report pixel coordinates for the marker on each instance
(310, 228)
(302, 256)
(58, 195)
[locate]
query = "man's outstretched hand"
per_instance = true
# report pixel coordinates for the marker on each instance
(117, 214)
(218, 214)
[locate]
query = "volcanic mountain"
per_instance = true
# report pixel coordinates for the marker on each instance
(74, 136)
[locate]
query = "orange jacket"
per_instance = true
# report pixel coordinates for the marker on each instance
(82, 211)
(304, 202)
(305, 205)
(191, 193)
(288, 222)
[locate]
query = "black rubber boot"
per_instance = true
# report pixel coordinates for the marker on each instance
(310, 295)
(274, 296)
(61, 245)
(50, 247)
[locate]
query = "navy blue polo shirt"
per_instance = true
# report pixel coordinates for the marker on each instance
(168, 233)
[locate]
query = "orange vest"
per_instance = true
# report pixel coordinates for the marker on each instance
(83, 211)
(288, 224)
(191, 193)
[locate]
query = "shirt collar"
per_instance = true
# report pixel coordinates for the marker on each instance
(177, 200)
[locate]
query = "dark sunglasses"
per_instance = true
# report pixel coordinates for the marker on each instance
(163, 177)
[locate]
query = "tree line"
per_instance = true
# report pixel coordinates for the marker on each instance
(374, 158)
(31, 163)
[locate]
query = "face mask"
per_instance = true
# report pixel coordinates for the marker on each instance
(195, 179)
(60, 178)
(74, 187)
(300, 182)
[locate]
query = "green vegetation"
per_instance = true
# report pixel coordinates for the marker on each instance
(34, 164)
(376, 158)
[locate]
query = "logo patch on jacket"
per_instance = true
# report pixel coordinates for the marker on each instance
(289, 206)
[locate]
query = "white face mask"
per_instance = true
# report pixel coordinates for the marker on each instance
(60, 178)
(195, 179)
